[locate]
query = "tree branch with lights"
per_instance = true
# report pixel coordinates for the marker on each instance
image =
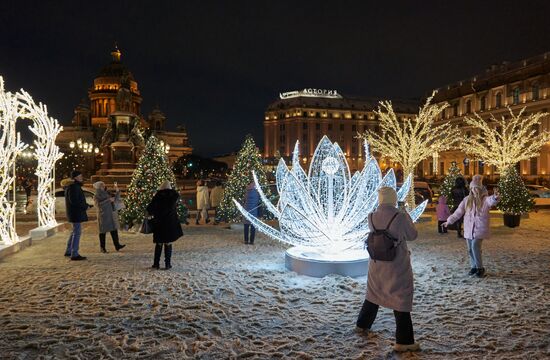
(504, 142)
(411, 140)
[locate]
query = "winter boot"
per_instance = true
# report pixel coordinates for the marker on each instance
(167, 256)
(473, 271)
(102, 244)
(116, 243)
(480, 272)
(158, 252)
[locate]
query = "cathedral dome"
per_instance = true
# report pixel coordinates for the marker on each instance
(116, 68)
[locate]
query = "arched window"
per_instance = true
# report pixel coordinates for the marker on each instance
(498, 100)
(468, 106)
(535, 92)
(482, 103)
(516, 96)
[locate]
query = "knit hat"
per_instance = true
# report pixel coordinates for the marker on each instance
(98, 184)
(387, 195)
(476, 181)
(75, 173)
(165, 185)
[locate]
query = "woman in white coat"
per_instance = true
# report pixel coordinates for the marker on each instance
(203, 202)
(390, 283)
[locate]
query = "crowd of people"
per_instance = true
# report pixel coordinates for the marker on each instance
(390, 280)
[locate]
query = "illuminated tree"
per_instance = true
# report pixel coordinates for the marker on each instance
(151, 171)
(248, 160)
(504, 142)
(449, 183)
(411, 140)
(514, 196)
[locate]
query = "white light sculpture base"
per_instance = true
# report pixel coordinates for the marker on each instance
(312, 262)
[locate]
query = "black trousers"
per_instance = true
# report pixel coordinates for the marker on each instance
(114, 236)
(249, 229)
(403, 324)
(441, 229)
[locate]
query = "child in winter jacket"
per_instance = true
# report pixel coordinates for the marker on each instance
(475, 209)
(443, 213)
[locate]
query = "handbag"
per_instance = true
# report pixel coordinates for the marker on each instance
(147, 226)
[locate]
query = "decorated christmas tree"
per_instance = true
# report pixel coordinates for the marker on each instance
(248, 160)
(514, 197)
(449, 183)
(151, 171)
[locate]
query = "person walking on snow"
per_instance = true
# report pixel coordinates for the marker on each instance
(76, 206)
(443, 213)
(252, 205)
(458, 193)
(475, 209)
(390, 283)
(166, 224)
(203, 202)
(216, 196)
(107, 216)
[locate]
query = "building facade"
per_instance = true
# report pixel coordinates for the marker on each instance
(520, 84)
(115, 89)
(309, 114)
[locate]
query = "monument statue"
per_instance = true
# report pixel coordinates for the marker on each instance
(124, 95)
(107, 137)
(136, 137)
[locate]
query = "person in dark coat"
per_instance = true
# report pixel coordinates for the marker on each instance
(166, 224)
(459, 192)
(76, 206)
(252, 205)
(107, 216)
(390, 283)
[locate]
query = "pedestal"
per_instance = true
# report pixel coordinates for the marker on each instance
(313, 263)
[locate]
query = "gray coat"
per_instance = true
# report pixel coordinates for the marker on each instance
(390, 283)
(107, 218)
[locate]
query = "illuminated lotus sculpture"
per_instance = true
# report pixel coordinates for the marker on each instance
(325, 213)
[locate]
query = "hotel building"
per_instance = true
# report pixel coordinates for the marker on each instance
(309, 114)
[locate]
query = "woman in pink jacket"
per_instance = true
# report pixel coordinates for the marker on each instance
(475, 208)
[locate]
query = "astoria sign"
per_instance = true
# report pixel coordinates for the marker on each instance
(309, 92)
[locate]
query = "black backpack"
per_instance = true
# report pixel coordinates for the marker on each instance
(380, 244)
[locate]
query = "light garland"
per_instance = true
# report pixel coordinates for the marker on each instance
(46, 129)
(10, 147)
(411, 140)
(504, 142)
(327, 209)
(12, 107)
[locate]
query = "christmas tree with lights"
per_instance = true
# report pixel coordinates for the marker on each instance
(248, 160)
(514, 196)
(449, 183)
(151, 171)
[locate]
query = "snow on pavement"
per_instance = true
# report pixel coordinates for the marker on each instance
(223, 299)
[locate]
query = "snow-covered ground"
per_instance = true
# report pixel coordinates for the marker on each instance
(224, 300)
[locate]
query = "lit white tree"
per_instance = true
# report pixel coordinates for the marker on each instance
(504, 142)
(10, 147)
(46, 129)
(327, 209)
(14, 106)
(411, 140)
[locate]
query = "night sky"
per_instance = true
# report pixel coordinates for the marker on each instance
(215, 66)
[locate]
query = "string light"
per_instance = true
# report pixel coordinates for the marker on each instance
(411, 140)
(504, 142)
(327, 209)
